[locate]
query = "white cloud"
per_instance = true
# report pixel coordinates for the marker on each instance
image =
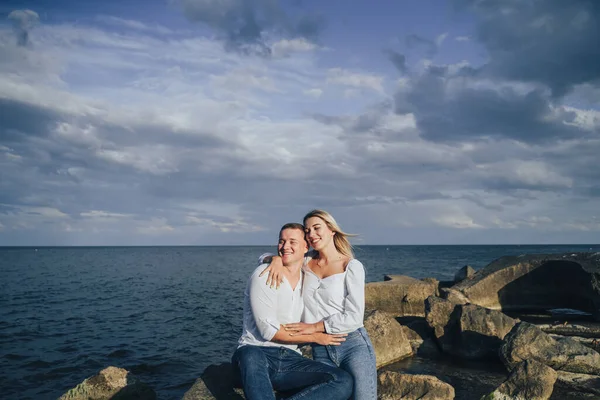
(286, 47)
(458, 221)
(344, 77)
(133, 24)
(104, 215)
(314, 92)
(439, 40)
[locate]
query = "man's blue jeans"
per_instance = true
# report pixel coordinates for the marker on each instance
(355, 355)
(263, 369)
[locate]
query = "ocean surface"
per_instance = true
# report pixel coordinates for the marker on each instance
(164, 313)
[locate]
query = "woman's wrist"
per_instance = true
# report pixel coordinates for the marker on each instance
(320, 326)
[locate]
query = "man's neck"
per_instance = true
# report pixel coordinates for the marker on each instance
(293, 268)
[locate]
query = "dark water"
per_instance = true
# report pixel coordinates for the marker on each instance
(164, 313)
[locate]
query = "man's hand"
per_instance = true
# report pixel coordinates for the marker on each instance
(329, 340)
(302, 328)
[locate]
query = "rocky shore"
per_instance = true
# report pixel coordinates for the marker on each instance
(507, 331)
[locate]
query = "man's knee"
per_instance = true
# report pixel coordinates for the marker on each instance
(249, 356)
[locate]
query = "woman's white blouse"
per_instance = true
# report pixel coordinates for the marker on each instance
(338, 300)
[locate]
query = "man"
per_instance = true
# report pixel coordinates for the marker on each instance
(268, 357)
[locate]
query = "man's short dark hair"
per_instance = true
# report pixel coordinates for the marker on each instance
(294, 225)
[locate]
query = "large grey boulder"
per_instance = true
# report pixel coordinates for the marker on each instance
(465, 272)
(388, 338)
(111, 383)
(537, 282)
(528, 380)
(396, 386)
(399, 295)
(527, 342)
(467, 330)
(421, 337)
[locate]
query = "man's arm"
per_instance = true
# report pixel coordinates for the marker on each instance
(263, 303)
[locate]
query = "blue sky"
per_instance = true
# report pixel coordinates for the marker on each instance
(203, 122)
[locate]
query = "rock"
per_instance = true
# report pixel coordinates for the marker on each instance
(388, 338)
(587, 342)
(216, 382)
(396, 386)
(537, 282)
(464, 273)
(467, 331)
(399, 295)
(582, 383)
(421, 337)
(527, 342)
(111, 383)
(528, 380)
(592, 332)
(454, 296)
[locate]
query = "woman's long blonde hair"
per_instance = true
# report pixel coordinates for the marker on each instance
(340, 239)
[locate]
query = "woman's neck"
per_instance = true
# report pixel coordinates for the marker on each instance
(329, 253)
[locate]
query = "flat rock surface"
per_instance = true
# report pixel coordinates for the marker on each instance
(472, 379)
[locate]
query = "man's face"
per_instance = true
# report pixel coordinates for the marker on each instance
(292, 246)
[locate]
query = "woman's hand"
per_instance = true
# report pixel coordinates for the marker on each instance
(302, 328)
(329, 340)
(275, 270)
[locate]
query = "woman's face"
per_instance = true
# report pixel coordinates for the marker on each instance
(318, 233)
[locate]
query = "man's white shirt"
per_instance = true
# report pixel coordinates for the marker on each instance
(266, 308)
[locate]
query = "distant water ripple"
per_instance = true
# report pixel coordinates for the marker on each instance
(164, 313)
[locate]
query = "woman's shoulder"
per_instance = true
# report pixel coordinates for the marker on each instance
(354, 264)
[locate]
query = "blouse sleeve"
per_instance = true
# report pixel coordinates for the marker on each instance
(261, 258)
(354, 303)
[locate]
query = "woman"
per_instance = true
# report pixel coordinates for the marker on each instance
(334, 302)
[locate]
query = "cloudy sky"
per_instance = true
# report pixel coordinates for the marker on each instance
(208, 122)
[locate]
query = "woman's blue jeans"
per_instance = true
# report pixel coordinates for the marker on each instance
(357, 357)
(263, 369)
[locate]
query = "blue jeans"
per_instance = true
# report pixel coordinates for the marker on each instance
(263, 369)
(355, 355)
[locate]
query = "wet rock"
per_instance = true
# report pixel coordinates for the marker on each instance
(467, 331)
(587, 342)
(537, 282)
(581, 383)
(567, 329)
(527, 342)
(464, 273)
(528, 380)
(420, 336)
(111, 383)
(454, 296)
(216, 382)
(396, 386)
(399, 295)
(388, 338)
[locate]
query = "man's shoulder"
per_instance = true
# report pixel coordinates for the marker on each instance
(255, 274)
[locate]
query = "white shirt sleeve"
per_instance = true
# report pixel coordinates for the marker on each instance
(263, 302)
(354, 303)
(309, 255)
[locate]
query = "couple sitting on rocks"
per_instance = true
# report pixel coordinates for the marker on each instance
(324, 290)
